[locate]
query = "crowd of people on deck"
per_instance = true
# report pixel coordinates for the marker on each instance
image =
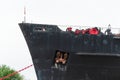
(91, 31)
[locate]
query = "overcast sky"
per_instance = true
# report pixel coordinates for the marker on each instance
(13, 48)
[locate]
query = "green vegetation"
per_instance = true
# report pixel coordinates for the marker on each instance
(6, 70)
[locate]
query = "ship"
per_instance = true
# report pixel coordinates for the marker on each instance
(82, 54)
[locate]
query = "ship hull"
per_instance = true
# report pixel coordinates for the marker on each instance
(90, 57)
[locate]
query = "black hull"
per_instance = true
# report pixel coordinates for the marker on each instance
(91, 57)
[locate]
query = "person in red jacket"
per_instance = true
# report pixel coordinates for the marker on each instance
(94, 31)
